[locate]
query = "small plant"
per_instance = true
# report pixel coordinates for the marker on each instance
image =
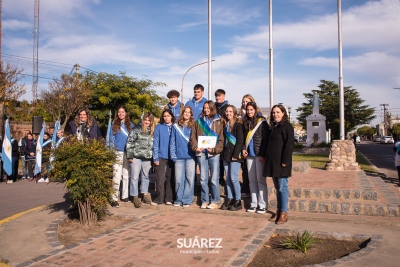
(298, 145)
(300, 242)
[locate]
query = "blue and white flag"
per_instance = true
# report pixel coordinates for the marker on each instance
(39, 145)
(109, 132)
(54, 138)
(6, 156)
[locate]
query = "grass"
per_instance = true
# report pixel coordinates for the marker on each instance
(318, 161)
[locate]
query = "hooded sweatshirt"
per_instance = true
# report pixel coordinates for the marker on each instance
(179, 145)
(175, 110)
(197, 107)
(221, 107)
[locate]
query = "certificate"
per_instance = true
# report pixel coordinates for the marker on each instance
(207, 141)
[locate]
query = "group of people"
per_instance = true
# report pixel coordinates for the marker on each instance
(25, 149)
(213, 135)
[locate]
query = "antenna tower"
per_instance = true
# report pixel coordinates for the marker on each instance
(35, 51)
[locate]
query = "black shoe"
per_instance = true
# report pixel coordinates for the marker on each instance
(227, 204)
(259, 210)
(125, 200)
(251, 209)
(236, 205)
(115, 204)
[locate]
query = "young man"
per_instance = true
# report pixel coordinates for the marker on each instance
(221, 105)
(220, 102)
(21, 145)
(197, 101)
(174, 104)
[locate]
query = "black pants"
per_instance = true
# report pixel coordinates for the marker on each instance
(245, 187)
(398, 173)
(165, 181)
(31, 167)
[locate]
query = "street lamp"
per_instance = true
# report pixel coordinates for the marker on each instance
(289, 110)
(187, 72)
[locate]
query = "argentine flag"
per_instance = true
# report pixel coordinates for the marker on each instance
(54, 138)
(109, 132)
(38, 163)
(6, 150)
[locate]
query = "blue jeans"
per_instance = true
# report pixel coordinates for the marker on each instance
(282, 192)
(184, 180)
(139, 168)
(211, 164)
(232, 179)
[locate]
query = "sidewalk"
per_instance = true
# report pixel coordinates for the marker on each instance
(153, 239)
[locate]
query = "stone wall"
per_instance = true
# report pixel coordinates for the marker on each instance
(342, 156)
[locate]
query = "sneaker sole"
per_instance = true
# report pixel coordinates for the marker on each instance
(252, 211)
(260, 212)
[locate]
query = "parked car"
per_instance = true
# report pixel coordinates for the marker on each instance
(377, 138)
(358, 140)
(387, 140)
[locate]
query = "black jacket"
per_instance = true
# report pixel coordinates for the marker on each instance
(279, 149)
(233, 151)
(30, 147)
(259, 138)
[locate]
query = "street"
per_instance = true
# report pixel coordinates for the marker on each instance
(382, 156)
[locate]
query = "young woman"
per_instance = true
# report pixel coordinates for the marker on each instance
(233, 132)
(255, 130)
(245, 188)
(208, 124)
(279, 149)
(139, 152)
(162, 159)
(30, 154)
(183, 157)
(121, 127)
(84, 125)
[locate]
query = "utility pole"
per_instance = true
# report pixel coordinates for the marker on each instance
(35, 51)
(384, 118)
(271, 59)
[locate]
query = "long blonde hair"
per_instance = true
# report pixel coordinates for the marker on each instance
(241, 113)
(150, 116)
(234, 119)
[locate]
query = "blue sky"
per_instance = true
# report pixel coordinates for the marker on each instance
(161, 39)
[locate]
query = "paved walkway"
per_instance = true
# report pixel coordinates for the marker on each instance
(174, 236)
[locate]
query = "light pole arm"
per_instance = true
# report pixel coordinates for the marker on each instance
(183, 78)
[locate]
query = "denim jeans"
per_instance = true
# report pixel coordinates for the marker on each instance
(232, 179)
(139, 168)
(184, 180)
(24, 172)
(207, 164)
(282, 192)
(258, 183)
(121, 171)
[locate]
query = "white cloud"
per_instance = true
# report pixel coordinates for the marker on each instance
(14, 24)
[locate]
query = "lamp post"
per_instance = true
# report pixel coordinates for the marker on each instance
(187, 72)
(289, 110)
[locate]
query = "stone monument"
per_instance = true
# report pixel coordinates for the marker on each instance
(342, 156)
(316, 126)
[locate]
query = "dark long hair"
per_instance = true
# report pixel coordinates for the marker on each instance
(89, 117)
(250, 123)
(212, 107)
(170, 113)
(117, 122)
(285, 117)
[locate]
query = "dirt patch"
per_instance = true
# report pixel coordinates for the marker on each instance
(274, 255)
(71, 231)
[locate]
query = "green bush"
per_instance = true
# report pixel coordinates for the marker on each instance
(298, 146)
(300, 242)
(87, 167)
(324, 144)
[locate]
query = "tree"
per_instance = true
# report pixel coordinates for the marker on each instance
(10, 87)
(396, 130)
(366, 131)
(65, 97)
(111, 91)
(356, 113)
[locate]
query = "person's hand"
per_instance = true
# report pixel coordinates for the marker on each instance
(32, 154)
(156, 163)
(210, 150)
(199, 149)
(234, 159)
(284, 165)
(130, 160)
(244, 153)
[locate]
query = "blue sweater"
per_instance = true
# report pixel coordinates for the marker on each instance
(197, 107)
(161, 139)
(179, 146)
(118, 140)
(175, 110)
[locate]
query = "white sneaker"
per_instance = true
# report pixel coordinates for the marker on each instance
(47, 180)
(177, 205)
(10, 181)
(41, 180)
